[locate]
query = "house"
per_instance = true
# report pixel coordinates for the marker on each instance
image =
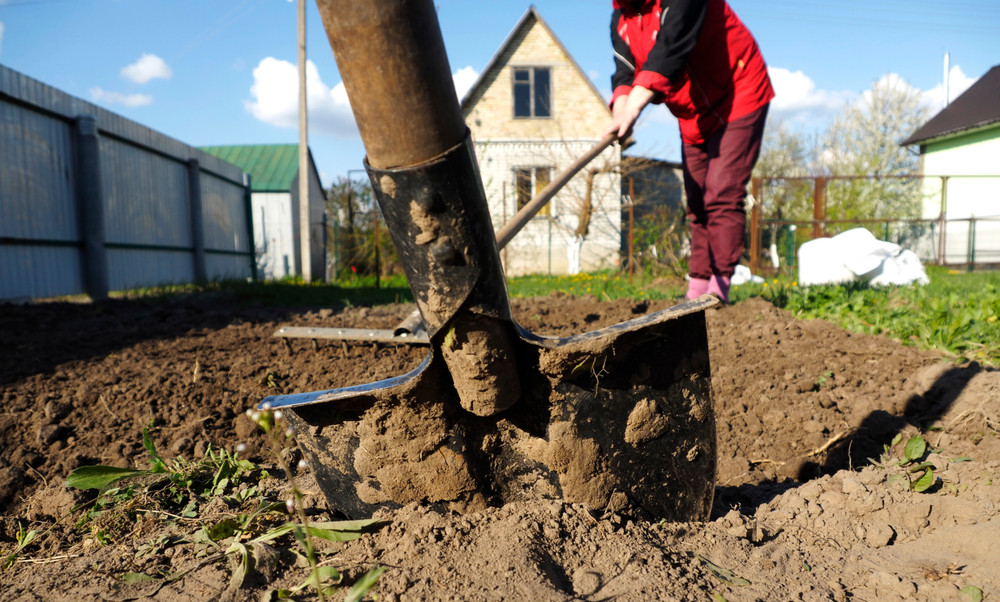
(274, 199)
(958, 160)
(531, 113)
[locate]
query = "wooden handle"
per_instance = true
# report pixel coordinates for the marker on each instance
(392, 60)
(527, 212)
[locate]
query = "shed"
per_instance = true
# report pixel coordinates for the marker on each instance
(274, 199)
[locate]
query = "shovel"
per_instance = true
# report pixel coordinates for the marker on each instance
(619, 419)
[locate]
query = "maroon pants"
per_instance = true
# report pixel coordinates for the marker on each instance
(715, 181)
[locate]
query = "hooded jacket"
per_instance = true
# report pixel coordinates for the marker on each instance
(695, 55)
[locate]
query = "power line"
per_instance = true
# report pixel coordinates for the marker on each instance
(17, 3)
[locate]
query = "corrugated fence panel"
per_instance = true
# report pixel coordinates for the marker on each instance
(38, 217)
(36, 271)
(36, 166)
(146, 197)
(139, 268)
(227, 230)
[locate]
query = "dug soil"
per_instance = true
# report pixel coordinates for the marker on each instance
(812, 501)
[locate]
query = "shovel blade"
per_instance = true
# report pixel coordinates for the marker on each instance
(619, 419)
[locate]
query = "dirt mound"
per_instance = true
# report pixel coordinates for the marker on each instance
(800, 510)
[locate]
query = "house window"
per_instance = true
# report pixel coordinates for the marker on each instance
(529, 181)
(532, 92)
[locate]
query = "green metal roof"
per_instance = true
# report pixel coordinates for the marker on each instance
(272, 167)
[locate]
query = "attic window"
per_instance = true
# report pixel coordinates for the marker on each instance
(529, 181)
(532, 92)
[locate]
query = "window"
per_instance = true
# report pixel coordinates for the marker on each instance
(529, 181)
(532, 92)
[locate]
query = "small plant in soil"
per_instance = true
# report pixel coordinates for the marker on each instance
(917, 473)
(24, 538)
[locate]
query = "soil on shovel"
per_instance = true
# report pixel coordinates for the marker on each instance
(801, 509)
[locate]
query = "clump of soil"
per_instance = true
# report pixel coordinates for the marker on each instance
(800, 512)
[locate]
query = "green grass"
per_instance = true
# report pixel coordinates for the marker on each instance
(605, 286)
(956, 313)
(291, 292)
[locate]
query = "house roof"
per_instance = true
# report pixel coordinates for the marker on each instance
(272, 167)
(529, 17)
(973, 109)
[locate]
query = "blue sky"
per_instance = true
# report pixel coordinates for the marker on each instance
(213, 72)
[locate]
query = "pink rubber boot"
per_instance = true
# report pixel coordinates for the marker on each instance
(719, 287)
(697, 287)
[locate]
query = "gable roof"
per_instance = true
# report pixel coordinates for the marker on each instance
(529, 17)
(272, 167)
(977, 107)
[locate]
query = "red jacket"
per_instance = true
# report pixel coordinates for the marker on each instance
(696, 55)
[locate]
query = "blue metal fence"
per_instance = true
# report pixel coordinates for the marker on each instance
(91, 202)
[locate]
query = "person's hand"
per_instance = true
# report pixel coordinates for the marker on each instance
(626, 111)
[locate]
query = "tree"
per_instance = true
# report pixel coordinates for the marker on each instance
(864, 140)
(786, 159)
(358, 240)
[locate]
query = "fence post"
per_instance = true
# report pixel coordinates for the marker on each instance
(971, 253)
(790, 246)
(197, 221)
(819, 206)
(755, 192)
(90, 204)
(943, 222)
(251, 240)
(631, 227)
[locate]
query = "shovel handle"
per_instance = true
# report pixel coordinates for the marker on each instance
(527, 212)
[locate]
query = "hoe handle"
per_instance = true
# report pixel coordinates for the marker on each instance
(529, 210)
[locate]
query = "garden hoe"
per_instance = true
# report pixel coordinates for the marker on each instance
(619, 419)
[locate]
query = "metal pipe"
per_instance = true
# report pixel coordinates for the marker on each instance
(755, 191)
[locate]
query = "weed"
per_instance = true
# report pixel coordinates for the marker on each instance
(323, 579)
(179, 490)
(954, 313)
(24, 538)
(917, 474)
(822, 380)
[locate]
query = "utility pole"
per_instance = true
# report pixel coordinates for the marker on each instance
(305, 246)
(947, 77)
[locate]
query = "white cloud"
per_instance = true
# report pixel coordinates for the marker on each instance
(117, 98)
(1, 37)
(148, 67)
(275, 99)
(464, 78)
(958, 82)
(797, 102)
